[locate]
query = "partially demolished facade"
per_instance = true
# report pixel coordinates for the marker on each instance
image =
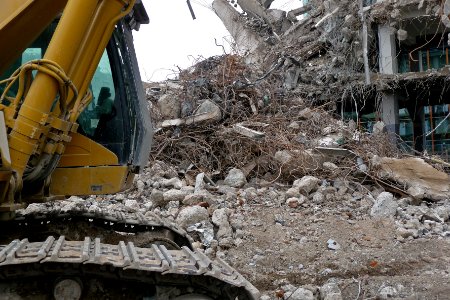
(374, 60)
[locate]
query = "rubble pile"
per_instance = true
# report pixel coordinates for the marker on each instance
(253, 159)
(213, 118)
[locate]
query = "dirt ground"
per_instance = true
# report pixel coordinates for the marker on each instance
(369, 259)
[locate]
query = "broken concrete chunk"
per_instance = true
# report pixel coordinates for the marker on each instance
(402, 35)
(297, 161)
(209, 107)
(305, 114)
(245, 131)
(157, 198)
(307, 184)
(300, 294)
(191, 215)
(169, 106)
(235, 178)
(416, 175)
(174, 195)
(330, 291)
(245, 39)
(384, 206)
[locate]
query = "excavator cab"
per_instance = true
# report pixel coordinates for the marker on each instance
(114, 132)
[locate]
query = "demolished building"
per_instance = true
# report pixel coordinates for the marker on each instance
(376, 60)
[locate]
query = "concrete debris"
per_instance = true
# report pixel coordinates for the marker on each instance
(306, 184)
(330, 291)
(421, 180)
(333, 245)
(191, 215)
(300, 294)
(235, 178)
(239, 128)
(384, 206)
(169, 106)
(270, 151)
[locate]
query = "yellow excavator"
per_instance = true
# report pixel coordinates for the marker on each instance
(74, 121)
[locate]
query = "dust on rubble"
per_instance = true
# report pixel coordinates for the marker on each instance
(253, 159)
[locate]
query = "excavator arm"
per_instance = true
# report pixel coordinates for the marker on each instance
(73, 121)
(50, 94)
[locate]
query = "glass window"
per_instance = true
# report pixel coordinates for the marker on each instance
(101, 109)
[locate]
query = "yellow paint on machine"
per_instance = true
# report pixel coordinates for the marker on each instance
(82, 151)
(90, 180)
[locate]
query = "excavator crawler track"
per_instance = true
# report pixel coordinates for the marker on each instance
(166, 273)
(135, 261)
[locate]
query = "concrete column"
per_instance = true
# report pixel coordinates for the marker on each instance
(388, 65)
(390, 114)
(388, 50)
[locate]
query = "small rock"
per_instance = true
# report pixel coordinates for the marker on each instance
(235, 178)
(361, 165)
(406, 233)
(140, 185)
(333, 245)
(387, 292)
(292, 192)
(318, 197)
(307, 184)
(219, 216)
(305, 114)
(197, 245)
(191, 215)
(169, 106)
(329, 166)
(443, 212)
(175, 182)
(174, 195)
(300, 294)
(279, 219)
(330, 291)
(293, 202)
(294, 125)
(157, 198)
(193, 199)
(385, 206)
(209, 106)
(133, 204)
(417, 192)
(33, 208)
(199, 183)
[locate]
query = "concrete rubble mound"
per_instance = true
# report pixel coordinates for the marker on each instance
(266, 158)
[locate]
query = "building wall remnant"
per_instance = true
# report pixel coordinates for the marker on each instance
(398, 81)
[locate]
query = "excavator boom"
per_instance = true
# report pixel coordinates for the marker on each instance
(74, 121)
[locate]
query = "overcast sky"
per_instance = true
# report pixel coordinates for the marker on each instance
(173, 39)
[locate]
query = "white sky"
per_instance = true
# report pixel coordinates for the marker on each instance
(173, 39)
